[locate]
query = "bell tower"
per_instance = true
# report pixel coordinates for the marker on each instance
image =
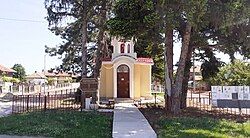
(122, 47)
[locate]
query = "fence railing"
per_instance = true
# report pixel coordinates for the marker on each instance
(204, 103)
(27, 88)
(63, 99)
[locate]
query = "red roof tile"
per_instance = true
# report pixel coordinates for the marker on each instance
(140, 60)
(145, 60)
(49, 74)
(5, 69)
(36, 75)
(63, 74)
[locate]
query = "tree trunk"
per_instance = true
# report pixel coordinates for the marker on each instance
(186, 77)
(177, 88)
(168, 53)
(100, 39)
(84, 40)
(167, 83)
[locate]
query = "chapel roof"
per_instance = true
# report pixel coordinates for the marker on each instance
(139, 60)
(145, 60)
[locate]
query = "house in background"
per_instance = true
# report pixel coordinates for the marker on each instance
(6, 72)
(195, 74)
(60, 77)
(51, 77)
(63, 77)
(125, 75)
(36, 78)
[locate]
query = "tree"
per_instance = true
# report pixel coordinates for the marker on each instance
(75, 13)
(139, 19)
(233, 74)
(152, 24)
(83, 33)
(20, 72)
(188, 18)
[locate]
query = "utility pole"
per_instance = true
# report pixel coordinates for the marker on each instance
(44, 68)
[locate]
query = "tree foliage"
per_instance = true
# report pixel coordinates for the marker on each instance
(206, 25)
(233, 74)
(20, 72)
(66, 19)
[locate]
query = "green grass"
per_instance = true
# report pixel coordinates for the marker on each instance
(188, 127)
(58, 124)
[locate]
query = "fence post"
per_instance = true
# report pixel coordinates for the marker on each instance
(27, 103)
(199, 95)
(45, 102)
(48, 100)
(13, 100)
(82, 100)
(39, 99)
(209, 98)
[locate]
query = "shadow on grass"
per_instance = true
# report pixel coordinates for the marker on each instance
(193, 122)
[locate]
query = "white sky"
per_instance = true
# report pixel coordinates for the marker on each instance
(23, 41)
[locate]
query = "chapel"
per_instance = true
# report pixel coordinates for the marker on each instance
(125, 75)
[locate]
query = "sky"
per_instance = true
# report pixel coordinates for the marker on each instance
(24, 33)
(23, 42)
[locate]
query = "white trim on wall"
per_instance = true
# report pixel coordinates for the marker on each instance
(130, 63)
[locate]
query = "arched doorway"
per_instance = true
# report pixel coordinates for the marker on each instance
(123, 81)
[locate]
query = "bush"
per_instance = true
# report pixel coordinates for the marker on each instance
(10, 79)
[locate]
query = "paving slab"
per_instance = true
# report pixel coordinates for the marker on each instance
(129, 122)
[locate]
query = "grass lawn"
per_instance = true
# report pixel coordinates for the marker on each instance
(194, 123)
(58, 124)
(202, 127)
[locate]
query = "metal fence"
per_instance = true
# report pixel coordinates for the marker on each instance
(204, 103)
(64, 100)
(29, 88)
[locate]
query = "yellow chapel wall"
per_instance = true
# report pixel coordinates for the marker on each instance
(106, 81)
(145, 81)
(142, 81)
(137, 83)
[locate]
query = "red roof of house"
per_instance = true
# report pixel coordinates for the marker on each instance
(49, 74)
(36, 75)
(5, 69)
(63, 74)
(145, 60)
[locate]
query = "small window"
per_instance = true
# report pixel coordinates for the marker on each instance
(122, 48)
(128, 48)
(123, 68)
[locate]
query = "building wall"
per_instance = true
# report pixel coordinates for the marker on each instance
(145, 80)
(7, 74)
(141, 81)
(106, 81)
(137, 81)
(109, 81)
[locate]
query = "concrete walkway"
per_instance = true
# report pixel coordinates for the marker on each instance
(129, 122)
(5, 108)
